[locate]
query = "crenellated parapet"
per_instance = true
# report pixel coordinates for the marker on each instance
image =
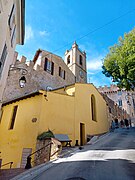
(124, 99)
(109, 89)
(37, 77)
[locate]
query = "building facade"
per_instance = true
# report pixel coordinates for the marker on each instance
(76, 62)
(11, 33)
(125, 100)
(47, 71)
(114, 111)
(64, 111)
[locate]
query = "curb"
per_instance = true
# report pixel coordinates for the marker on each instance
(95, 139)
(32, 173)
(37, 170)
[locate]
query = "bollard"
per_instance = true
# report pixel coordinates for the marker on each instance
(28, 164)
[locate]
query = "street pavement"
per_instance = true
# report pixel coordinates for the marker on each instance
(111, 157)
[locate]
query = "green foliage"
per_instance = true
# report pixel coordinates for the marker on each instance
(44, 135)
(120, 62)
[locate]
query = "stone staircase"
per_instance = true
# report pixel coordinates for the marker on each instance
(7, 174)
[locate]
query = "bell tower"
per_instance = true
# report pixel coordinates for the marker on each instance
(76, 61)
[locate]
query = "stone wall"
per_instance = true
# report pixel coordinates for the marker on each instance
(116, 94)
(36, 77)
(51, 151)
(113, 110)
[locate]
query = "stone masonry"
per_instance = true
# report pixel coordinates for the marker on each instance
(121, 97)
(36, 77)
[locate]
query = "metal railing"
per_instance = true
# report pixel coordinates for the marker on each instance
(28, 164)
(11, 163)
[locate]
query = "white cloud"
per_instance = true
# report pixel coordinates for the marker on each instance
(90, 73)
(99, 79)
(29, 34)
(43, 33)
(96, 81)
(95, 64)
(94, 57)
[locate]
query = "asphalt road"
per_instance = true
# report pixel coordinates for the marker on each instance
(112, 157)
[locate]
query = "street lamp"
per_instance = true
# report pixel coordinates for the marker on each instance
(22, 80)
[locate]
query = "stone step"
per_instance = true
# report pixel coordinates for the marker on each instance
(7, 174)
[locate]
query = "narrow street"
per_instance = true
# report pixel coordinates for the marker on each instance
(112, 157)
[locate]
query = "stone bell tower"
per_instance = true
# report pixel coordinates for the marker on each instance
(76, 61)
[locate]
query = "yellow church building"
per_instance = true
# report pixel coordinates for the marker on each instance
(77, 110)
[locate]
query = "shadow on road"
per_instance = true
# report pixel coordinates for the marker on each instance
(109, 169)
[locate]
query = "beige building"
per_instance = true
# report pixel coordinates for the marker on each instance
(114, 111)
(124, 99)
(11, 33)
(76, 62)
(47, 71)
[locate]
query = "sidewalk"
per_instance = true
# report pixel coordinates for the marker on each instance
(35, 171)
(6, 174)
(66, 152)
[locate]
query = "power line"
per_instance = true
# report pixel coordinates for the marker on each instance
(96, 29)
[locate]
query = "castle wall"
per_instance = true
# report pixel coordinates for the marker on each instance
(114, 93)
(36, 77)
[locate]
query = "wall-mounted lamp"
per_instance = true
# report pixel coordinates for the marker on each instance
(48, 88)
(22, 80)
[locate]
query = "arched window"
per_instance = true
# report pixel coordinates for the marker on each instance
(80, 60)
(93, 107)
(68, 59)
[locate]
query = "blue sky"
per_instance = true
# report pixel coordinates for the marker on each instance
(55, 24)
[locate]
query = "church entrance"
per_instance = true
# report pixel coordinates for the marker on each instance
(82, 134)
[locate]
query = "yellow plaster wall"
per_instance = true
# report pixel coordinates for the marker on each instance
(60, 113)
(24, 133)
(67, 90)
(57, 114)
(83, 94)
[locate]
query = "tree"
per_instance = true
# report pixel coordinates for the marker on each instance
(119, 63)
